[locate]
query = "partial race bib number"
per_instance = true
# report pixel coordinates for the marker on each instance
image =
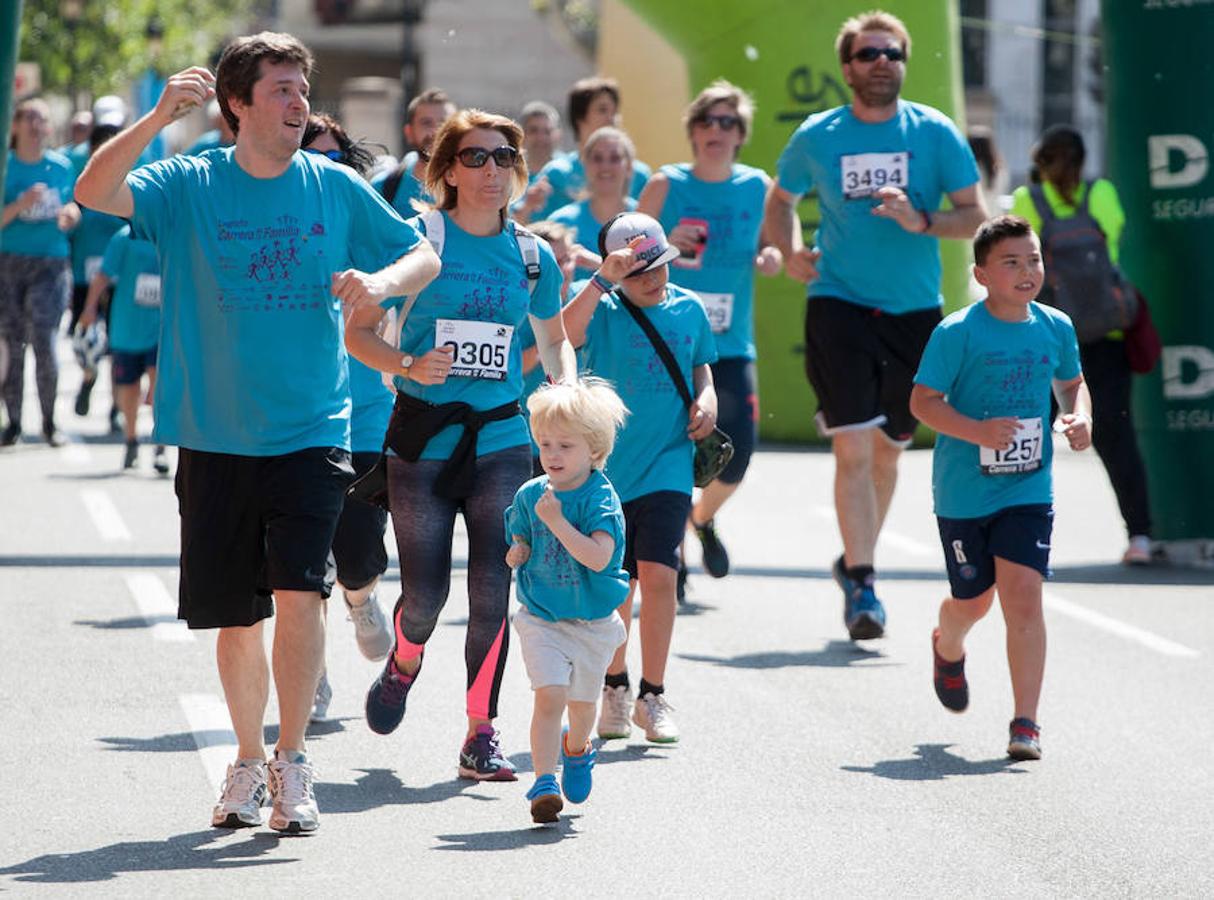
(1023, 455)
(720, 311)
(864, 173)
(45, 207)
(147, 289)
(478, 349)
(92, 265)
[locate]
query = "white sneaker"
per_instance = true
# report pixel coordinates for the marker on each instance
(1139, 551)
(371, 628)
(613, 716)
(320, 703)
(652, 713)
(294, 804)
(242, 796)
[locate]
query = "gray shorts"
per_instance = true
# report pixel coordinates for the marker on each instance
(571, 653)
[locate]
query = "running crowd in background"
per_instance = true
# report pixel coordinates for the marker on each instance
(561, 348)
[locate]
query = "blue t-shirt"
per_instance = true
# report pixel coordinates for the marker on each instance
(867, 259)
(407, 191)
(35, 232)
(208, 140)
(135, 310)
(568, 179)
(89, 240)
(483, 281)
(988, 368)
(371, 409)
(653, 452)
(552, 584)
(724, 276)
(536, 376)
(251, 357)
(579, 217)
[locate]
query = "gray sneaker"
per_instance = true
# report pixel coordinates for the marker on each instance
(370, 628)
(320, 703)
(293, 808)
(242, 797)
(613, 716)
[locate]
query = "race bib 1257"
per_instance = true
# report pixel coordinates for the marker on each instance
(1023, 455)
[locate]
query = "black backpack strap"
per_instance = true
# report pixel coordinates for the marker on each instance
(1037, 195)
(660, 346)
(392, 184)
(1082, 206)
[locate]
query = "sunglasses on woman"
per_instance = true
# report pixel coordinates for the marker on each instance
(725, 123)
(336, 155)
(504, 157)
(870, 54)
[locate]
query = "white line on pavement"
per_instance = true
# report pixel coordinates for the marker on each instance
(890, 538)
(1154, 642)
(154, 602)
(211, 728)
(104, 515)
(75, 452)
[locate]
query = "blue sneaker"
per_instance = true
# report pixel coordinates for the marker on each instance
(863, 613)
(545, 799)
(386, 698)
(576, 772)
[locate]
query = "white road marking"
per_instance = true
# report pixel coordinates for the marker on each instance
(104, 513)
(889, 538)
(211, 728)
(155, 603)
(1057, 604)
(75, 452)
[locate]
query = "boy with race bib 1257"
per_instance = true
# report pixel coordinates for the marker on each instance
(984, 384)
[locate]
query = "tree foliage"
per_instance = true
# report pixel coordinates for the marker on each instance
(108, 46)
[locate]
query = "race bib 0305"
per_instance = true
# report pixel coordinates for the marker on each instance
(720, 311)
(478, 349)
(1022, 455)
(864, 173)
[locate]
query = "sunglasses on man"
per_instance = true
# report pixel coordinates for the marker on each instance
(725, 122)
(504, 157)
(870, 54)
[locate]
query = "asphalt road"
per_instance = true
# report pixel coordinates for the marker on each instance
(809, 766)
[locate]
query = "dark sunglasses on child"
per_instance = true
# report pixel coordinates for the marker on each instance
(870, 54)
(504, 157)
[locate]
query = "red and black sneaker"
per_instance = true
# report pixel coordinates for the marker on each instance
(948, 678)
(1024, 741)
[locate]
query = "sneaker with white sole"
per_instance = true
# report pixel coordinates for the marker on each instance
(652, 713)
(320, 703)
(371, 629)
(1138, 553)
(613, 716)
(293, 802)
(242, 796)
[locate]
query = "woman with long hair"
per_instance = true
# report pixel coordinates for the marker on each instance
(457, 441)
(1063, 193)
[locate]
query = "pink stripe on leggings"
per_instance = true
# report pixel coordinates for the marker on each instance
(405, 649)
(482, 686)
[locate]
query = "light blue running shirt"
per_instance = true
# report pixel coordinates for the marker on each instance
(251, 354)
(653, 452)
(579, 217)
(89, 240)
(988, 368)
(724, 274)
(866, 259)
(408, 190)
(552, 584)
(483, 281)
(135, 310)
(568, 179)
(35, 232)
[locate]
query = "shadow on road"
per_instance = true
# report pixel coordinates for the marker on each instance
(377, 788)
(178, 853)
(494, 841)
(608, 752)
(189, 741)
(933, 762)
(127, 622)
(835, 655)
(1160, 573)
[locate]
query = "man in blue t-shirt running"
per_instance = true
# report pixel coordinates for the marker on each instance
(254, 242)
(880, 167)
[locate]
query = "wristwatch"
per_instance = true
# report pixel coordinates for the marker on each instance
(406, 363)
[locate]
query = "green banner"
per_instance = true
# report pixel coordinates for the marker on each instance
(782, 52)
(1160, 134)
(10, 40)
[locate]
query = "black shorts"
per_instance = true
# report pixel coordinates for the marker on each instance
(861, 363)
(1019, 534)
(358, 544)
(251, 525)
(654, 525)
(737, 412)
(128, 368)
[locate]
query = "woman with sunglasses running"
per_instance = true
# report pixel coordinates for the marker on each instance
(457, 441)
(607, 156)
(712, 208)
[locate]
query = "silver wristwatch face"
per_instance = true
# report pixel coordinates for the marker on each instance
(406, 361)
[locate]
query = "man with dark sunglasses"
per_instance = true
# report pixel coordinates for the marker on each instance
(880, 166)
